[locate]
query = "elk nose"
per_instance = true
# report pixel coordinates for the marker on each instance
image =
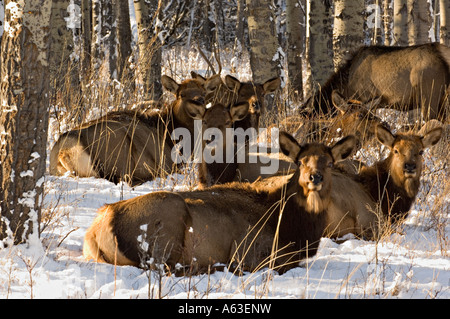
(410, 167)
(256, 106)
(199, 100)
(316, 178)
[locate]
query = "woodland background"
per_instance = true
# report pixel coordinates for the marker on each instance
(65, 58)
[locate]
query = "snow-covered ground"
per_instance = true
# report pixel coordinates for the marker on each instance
(411, 263)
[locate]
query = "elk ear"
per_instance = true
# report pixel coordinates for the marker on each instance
(384, 136)
(170, 84)
(339, 102)
(289, 146)
(195, 75)
(239, 111)
(213, 83)
(344, 148)
(432, 137)
(232, 83)
(272, 85)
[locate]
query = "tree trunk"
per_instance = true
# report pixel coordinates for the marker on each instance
(108, 33)
(239, 41)
(319, 43)
(96, 51)
(444, 33)
(387, 22)
(373, 22)
(85, 59)
(61, 43)
(123, 36)
(263, 41)
(419, 21)
(24, 118)
(64, 73)
(295, 38)
(400, 22)
(348, 31)
(207, 39)
(149, 48)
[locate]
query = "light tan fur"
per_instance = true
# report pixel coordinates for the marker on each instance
(232, 223)
(130, 145)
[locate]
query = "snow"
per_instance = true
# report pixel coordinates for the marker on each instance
(412, 263)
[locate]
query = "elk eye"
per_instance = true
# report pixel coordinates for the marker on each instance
(395, 151)
(421, 152)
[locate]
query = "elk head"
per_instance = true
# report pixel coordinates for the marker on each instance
(216, 92)
(355, 117)
(405, 159)
(315, 162)
(190, 99)
(252, 94)
(220, 118)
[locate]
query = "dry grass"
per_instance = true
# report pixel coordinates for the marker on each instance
(71, 107)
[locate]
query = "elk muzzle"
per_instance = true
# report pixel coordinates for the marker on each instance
(315, 181)
(410, 169)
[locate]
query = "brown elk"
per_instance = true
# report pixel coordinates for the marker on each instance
(394, 182)
(405, 77)
(233, 92)
(236, 222)
(128, 145)
(224, 165)
(353, 117)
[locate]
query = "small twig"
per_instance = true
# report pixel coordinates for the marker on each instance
(76, 228)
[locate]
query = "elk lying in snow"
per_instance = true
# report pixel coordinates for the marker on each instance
(394, 182)
(127, 145)
(244, 223)
(221, 162)
(234, 92)
(354, 117)
(411, 77)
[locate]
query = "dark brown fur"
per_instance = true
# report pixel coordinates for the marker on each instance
(353, 117)
(127, 145)
(394, 182)
(229, 169)
(232, 223)
(405, 77)
(223, 170)
(233, 92)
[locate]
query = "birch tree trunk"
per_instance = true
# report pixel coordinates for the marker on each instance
(123, 36)
(61, 43)
(24, 118)
(400, 22)
(419, 21)
(86, 41)
(96, 51)
(319, 45)
(295, 39)
(348, 31)
(108, 33)
(444, 33)
(263, 41)
(387, 21)
(149, 48)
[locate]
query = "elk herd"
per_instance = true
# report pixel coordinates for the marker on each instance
(246, 214)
